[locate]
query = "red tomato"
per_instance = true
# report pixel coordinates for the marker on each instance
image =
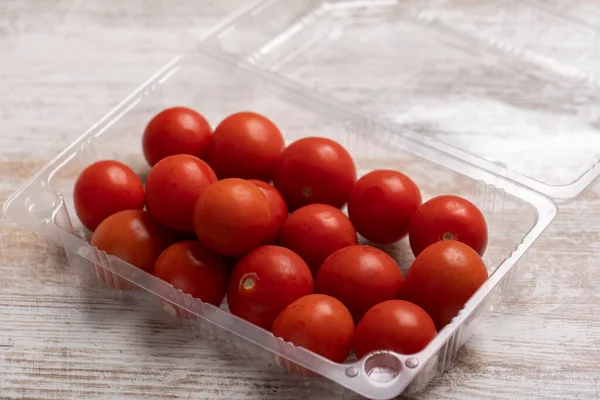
(315, 170)
(315, 232)
(195, 270)
(359, 277)
(279, 210)
(381, 205)
(265, 281)
(448, 218)
(232, 217)
(246, 145)
(442, 278)
(104, 188)
(318, 323)
(134, 236)
(394, 325)
(172, 188)
(177, 130)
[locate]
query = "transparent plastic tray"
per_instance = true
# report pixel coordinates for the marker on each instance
(562, 35)
(512, 84)
(217, 86)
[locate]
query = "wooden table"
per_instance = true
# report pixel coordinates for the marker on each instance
(63, 64)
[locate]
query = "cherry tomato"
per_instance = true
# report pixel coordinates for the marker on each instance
(318, 323)
(315, 170)
(173, 186)
(195, 270)
(104, 188)
(315, 232)
(448, 218)
(442, 278)
(381, 205)
(395, 325)
(177, 130)
(279, 210)
(265, 281)
(232, 217)
(359, 277)
(246, 145)
(134, 236)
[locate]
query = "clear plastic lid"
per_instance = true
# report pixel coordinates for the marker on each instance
(513, 100)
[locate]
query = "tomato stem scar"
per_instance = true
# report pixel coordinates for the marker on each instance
(248, 281)
(307, 192)
(448, 236)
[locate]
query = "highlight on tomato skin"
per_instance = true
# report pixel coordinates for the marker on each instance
(448, 217)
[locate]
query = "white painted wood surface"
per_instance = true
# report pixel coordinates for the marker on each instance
(63, 64)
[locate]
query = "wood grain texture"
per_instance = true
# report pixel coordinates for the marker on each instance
(62, 336)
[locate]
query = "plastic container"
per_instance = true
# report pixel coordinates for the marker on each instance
(217, 86)
(519, 99)
(560, 35)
